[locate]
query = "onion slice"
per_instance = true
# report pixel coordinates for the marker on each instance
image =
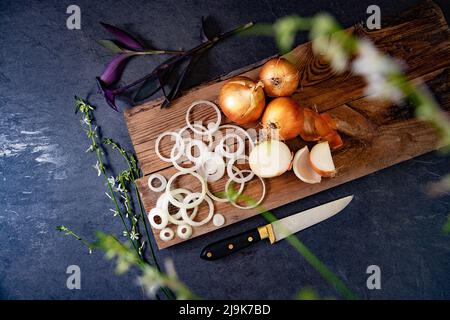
(232, 126)
(231, 174)
(178, 144)
(173, 218)
(185, 216)
(212, 127)
(218, 220)
(184, 169)
(219, 167)
(161, 179)
(241, 187)
(302, 167)
(202, 149)
(233, 202)
(184, 231)
(240, 148)
(163, 215)
(166, 234)
(184, 205)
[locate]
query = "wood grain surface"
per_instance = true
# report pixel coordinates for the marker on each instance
(376, 134)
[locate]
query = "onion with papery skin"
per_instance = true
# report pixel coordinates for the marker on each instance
(242, 100)
(285, 115)
(270, 158)
(280, 77)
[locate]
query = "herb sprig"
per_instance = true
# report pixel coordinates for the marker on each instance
(120, 190)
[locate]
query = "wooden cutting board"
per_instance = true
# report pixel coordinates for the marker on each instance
(376, 134)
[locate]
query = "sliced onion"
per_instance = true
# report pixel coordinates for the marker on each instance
(196, 125)
(232, 201)
(212, 196)
(166, 234)
(202, 149)
(240, 148)
(212, 127)
(175, 218)
(218, 170)
(232, 126)
(231, 174)
(161, 179)
(183, 169)
(184, 231)
(178, 143)
(184, 205)
(158, 212)
(218, 220)
(163, 202)
(188, 200)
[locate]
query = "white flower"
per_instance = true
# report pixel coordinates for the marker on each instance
(90, 149)
(333, 52)
(125, 233)
(134, 235)
(86, 120)
(98, 168)
(112, 181)
(119, 188)
(116, 213)
(151, 281)
(107, 194)
(377, 69)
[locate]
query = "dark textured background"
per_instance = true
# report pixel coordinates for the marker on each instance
(46, 178)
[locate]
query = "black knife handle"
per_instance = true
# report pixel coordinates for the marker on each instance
(229, 245)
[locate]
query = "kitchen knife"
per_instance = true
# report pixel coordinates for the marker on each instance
(276, 230)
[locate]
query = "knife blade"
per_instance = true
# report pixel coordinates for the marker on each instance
(275, 231)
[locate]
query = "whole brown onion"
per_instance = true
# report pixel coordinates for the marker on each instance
(242, 100)
(280, 77)
(286, 115)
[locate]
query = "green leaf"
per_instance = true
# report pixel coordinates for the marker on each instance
(111, 46)
(286, 29)
(446, 227)
(308, 294)
(259, 29)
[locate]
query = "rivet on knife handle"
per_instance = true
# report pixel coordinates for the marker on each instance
(234, 243)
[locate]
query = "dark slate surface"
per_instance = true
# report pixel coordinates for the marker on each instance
(46, 177)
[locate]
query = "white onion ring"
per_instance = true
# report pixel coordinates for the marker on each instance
(161, 179)
(184, 205)
(177, 143)
(184, 231)
(253, 205)
(162, 199)
(208, 134)
(202, 149)
(219, 171)
(211, 128)
(231, 174)
(163, 234)
(240, 149)
(174, 218)
(155, 212)
(212, 196)
(188, 220)
(218, 220)
(232, 126)
(183, 169)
